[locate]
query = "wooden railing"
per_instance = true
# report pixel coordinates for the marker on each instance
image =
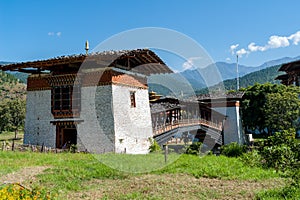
(185, 122)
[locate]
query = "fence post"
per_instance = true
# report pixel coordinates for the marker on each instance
(42, 148)
(3, 146)
(166, 152)
(13, 145)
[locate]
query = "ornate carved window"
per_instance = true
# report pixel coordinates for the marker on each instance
(65, 101)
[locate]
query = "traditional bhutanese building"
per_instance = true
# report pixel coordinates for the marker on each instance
(99, 102)
(292, 73)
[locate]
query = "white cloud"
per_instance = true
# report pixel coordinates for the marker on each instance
(277, 42)
(274, 42)
(58, 34)
(253, 47)
(228, 59)
(242, 52)
(233, 48)
(295, 38)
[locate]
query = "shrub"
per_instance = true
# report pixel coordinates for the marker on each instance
(194, 148)
(233, 150)
(154, 147)
(295, 174)
(252, 158)
(283, 137)
(287, 192)
(281, 151)
(279, 157)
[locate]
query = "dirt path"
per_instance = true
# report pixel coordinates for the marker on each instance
(22, 175)
(175, 186)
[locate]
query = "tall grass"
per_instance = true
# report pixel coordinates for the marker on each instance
(217, 167)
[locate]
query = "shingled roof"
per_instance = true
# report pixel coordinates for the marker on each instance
(291, 69)
(142, 61)
(290, 66)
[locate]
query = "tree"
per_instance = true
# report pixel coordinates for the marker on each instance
(282, 111)
(4, 115)
(12, 115)
(270, 107)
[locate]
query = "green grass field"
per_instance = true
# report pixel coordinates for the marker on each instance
(9, 136)
(68, 175)
(123, 176)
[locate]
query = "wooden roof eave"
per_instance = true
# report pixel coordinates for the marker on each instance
(289, 66)
(138, 57)
(282, 77)
(284, 67)
(43, 64)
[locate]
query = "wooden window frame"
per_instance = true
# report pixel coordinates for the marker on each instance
(65, 101)
(132, 99)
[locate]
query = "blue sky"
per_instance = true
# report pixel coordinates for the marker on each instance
(31, 30)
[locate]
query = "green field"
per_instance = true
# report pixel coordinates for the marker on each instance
(9, 136)
(82, 176)
(123, 176)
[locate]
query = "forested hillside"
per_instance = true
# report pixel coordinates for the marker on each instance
(21, 76)
(262, 76)
(10, 87)
(12, 103)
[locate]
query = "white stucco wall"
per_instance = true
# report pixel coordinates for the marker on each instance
(96, 132)
(107, 121)
(132, 124)
(233, 126)
(38, 129)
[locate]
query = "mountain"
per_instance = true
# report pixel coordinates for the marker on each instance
(262, 76)
(4, 63)
(173, 84)
(228, 70)
(189, 81)
(278, 62)
(197, 77)
(194, 81)
(202, 76)
(21, 76)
